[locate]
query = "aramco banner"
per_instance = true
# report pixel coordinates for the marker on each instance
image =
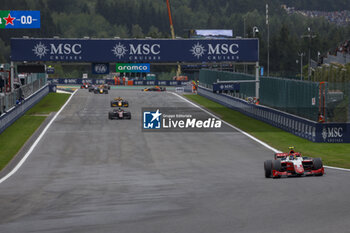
(134, 50)
(133, 68)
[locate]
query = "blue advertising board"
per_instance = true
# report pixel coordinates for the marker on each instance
(333, 132)
(135, 50)
(100, 68)
(79, 81)
(219, 87)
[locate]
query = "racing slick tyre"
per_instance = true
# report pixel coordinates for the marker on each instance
(317, 164)
(106, 92)
(276, 165)
(268, 168)
(128, 116)
(110, 116)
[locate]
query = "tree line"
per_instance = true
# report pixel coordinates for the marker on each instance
(149, 18)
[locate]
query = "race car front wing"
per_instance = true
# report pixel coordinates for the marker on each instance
(318, 172)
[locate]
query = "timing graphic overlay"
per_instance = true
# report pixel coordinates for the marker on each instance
(19, 19)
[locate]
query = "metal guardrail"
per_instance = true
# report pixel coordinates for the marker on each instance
(8, 100)
(310, 130)
(17, 111)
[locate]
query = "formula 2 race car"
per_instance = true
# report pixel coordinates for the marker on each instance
(119, 102)
(107, 86)
(292, 164)
(119, 114)
(101, 90)
(85, 86)
(156, 88)
(92, 88)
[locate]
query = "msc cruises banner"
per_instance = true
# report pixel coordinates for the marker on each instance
(133, 50)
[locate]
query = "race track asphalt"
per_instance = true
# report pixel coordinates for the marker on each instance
(90, 174)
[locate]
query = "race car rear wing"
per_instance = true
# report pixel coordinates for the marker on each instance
(284, 155)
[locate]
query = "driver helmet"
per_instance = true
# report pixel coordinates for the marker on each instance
(291, 150)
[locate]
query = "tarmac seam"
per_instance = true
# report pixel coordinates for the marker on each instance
(247, 134)
(25, 157)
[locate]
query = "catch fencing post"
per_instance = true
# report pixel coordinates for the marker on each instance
(12, 75)
(257, 85)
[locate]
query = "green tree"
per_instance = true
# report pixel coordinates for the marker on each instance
(136, 31)
(154, 32)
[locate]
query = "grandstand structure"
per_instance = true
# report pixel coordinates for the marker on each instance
(341, 55)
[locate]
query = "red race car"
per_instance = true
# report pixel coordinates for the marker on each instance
(292, 164)
(85, 86)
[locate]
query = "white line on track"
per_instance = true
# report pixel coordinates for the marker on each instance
(247, 134)
(337, 168)
(15, 169)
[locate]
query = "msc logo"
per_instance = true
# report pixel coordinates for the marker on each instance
(66, 49)
(41, 50)
(198, 50)
(145, 49)
(120, 49)
(152, 120)
(222, 49)
(334, 132)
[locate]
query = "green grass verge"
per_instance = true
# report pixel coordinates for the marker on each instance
(337, 154)
(50, 103)
(14, 137)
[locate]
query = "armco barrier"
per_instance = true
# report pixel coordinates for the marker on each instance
(17, 111)
(8, 100)
(79, 81)
(310, 130)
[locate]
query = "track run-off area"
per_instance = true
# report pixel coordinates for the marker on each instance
(91, 174)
